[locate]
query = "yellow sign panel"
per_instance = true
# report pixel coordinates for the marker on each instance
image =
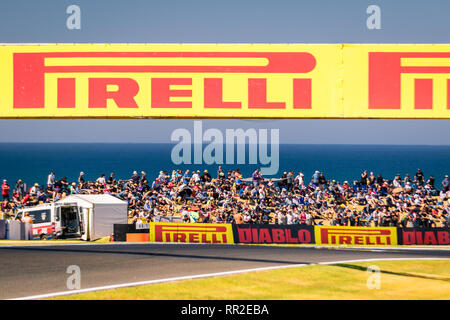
(224, 81)
(375, 236)
(191, 232)
(396, 81)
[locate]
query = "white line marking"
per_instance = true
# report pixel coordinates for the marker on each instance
(207, 275)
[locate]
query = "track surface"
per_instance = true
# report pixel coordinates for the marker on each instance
(33, 270)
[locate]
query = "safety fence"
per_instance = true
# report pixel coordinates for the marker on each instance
(15, 230)
(280, 234)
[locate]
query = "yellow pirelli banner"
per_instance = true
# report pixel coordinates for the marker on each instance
(364, 236)
(191, 232)
(224, 81)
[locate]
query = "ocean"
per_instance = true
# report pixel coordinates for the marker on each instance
(32, 162)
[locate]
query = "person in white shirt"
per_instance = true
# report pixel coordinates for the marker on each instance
(161, 176)
(408, 187)
(51, 179)
(295, 217)
(417, 200)
(196, 176)
(34, 189)
(262, 194)
(101, 180)
(289, 218)
(185, 215)
(299, 179)
(397, 182)
(281, 218)
(308, 218)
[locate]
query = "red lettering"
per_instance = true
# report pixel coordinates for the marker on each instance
(264, 236)
(214, 97)
(204, 238)
(244, 235)
(359, 240)
(257, 96)
(345, 240)
(66, 93)
(385, 72)
(161, 93)
(443, 237)
(324, 235)
(302, 94)
(368, 240)
(429, 238)
(289, 238)
(333, 240)
(29, 81)
(419, 239)
(255, 235)
(379, 242)
(123, 96)
(423, 93)
(179, 237)
(409, 237)
(448, 94)
(29, 68)
(278, 236)
(159, 233)
(193, 237)
(214, 238)
(304, 236)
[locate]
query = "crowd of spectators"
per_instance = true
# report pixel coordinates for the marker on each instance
(226, 197)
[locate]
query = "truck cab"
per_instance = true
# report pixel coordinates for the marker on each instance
(55, 221)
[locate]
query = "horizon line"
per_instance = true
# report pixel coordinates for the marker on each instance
(288, 143)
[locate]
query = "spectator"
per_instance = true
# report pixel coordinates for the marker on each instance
(27, 218)
(20, 189)
(5, 190)
(101, 180)
(51, 179)
(446, 184)
(81, 179)
(419, 178)
(234, 199)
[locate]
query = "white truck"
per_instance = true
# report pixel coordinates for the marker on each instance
(87, 217)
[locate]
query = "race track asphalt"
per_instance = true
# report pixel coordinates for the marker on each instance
(34, 270)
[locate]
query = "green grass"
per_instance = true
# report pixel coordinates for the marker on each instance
(412, 279)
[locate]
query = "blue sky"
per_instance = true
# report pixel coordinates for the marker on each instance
(231, 21)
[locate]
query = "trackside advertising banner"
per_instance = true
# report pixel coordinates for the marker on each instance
(288, 234)
(191, 232)
(424, 236)
(225, 81)
(263, 233)
(367, 236)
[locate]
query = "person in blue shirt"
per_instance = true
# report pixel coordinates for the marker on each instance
(315, 178)
(255, 178)
(186, 177)
(446, 184)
